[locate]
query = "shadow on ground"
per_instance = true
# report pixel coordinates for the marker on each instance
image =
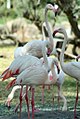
(45, 115)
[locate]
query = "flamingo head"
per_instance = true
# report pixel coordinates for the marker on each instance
(52, 7)
(60, 30)
(7, 104)
(77, 57)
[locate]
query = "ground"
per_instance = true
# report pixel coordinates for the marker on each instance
(45, 115)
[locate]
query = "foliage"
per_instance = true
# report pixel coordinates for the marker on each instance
(78, 2)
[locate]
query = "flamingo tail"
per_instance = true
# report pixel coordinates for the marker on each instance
(8, 73)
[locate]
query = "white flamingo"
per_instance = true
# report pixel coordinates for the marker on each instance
(19, 65)
(60, 80)
(34, 47)
(60, 74)
(72, 68)
(21, 50)
(11, 94)
(34, 75)
(29, 71)
(48, 82)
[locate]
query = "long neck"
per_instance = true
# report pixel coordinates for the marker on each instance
(47, 25)
(43, 33)
(45, 57)
(14, 89)
(63, 49)
(53, 72)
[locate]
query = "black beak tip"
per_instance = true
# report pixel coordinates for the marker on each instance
(53, 34)
(9, 107)
(48, 54)
(58, 71)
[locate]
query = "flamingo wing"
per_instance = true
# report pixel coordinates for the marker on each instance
(34, 75)
(76, 64)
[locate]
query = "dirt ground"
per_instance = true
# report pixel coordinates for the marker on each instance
(45, 115)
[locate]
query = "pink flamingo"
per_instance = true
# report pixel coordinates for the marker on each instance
(72, 68)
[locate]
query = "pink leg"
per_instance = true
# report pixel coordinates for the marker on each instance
(27, 101)
(49, 87)
(43, 94)
(32, 102)
(16, 108)
(75, 116)
(58, 96)
(21, 100)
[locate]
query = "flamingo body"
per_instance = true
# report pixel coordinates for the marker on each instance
(72, 69)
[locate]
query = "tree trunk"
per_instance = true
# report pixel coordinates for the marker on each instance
(67, 6)
(73, 23)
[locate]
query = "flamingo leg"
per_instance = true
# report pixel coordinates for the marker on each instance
(42, 95)
(32, 102)
(75, 116)
(21, 99)
(17, 105)
(27, 101)
(16, 108)
(48, 87)
(58, 96)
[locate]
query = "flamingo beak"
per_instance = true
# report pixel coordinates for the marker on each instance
(58, 68)
(77, 58)
(55, 31)
(7, 104)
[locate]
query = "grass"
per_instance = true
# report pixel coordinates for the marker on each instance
(69, 86)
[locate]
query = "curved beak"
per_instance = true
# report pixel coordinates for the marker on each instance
(58, 68)
(7, 104)
(54, 32)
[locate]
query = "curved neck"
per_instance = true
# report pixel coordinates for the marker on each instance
(15, 88)
(45, 56)
(43, 33)
(47, 25)
(63, 49)
(53, 72)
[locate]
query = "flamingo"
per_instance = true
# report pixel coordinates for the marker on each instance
(72, 68)
(60, 80)
(60, 74)
(19, 65)
(34, 47)
(34, 75)
(33, 44)
(49, 82)
(31, 70)
(11, 95)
